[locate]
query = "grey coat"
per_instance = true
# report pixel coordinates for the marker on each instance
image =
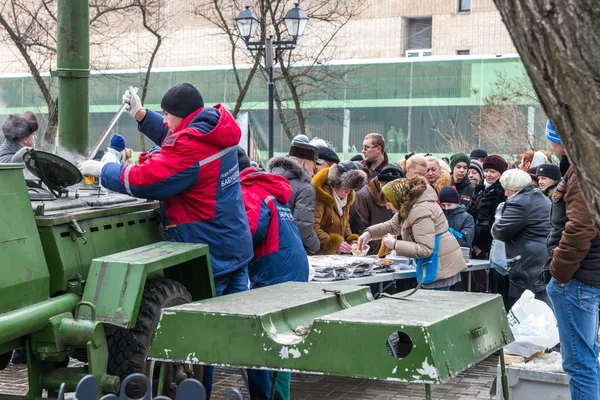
(302, 202)
(7, 150)
(461, 221)
(524, 228)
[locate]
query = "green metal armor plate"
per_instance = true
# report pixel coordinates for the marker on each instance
(434, 335)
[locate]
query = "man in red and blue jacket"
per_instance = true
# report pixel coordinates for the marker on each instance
(279, 255)
(195, 175)
(278, 252)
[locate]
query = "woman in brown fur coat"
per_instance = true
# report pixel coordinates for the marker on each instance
(420, 219)
(334, 193)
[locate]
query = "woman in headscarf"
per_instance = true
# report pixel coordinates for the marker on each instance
(419, 219)
(334, 194)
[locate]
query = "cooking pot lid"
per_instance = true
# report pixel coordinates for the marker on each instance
(56, 172)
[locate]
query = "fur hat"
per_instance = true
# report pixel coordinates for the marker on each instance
(348, 174)
(182, 100)
(495, 162)
(304, 151)
(459, 157)
(478, 153)
(515, 179)
(18, 126)
(551, 171)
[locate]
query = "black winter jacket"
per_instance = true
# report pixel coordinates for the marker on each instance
(465, 189)
(461, 221)
(524, 228)
(302, 202)
(483, 207)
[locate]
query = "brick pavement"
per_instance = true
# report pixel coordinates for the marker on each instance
(472, 384)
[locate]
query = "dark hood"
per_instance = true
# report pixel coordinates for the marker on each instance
(288, 168)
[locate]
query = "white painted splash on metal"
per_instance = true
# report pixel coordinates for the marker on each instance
(295, 353)
(428, 370)
(395, 369)
(167, 351)
(284, 353)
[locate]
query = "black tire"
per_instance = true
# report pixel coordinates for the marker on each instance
(128, 348)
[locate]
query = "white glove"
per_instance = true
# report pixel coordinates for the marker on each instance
(91, 168)
(132, 101)
(390, 242)
(18, 157)
(363, 240)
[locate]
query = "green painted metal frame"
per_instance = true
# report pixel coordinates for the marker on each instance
(116, 282)
(297, 327)
(25, 276)
(107, 231)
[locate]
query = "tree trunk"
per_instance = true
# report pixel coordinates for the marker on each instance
(558, 41)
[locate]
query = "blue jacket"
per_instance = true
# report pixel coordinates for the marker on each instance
(279, 255)
(195, 176)
(461, 221)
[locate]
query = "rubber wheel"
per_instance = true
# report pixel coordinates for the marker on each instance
(128, 348)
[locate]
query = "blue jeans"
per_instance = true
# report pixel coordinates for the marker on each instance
(576, 308)
(258, 380)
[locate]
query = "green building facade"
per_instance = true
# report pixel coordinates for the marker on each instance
(403, 99)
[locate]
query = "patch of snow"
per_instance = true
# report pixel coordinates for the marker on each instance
(549, 362)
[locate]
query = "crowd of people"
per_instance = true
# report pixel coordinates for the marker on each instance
(312, 203)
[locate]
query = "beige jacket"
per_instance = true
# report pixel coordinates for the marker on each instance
(424, 221)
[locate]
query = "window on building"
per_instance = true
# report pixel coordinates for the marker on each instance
(464, 5)
(463, 52)
(418, 33)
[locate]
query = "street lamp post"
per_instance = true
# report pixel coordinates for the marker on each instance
(247, 23)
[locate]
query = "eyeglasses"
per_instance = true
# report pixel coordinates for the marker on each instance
(367, 148)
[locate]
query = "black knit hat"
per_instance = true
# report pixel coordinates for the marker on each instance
(389, 173)
(551, 171)
(243, 160)
(449, 195)
(495, 162)
(304, 151)
(182, 100)
(325, 153)
(479, 153)
(358, 157)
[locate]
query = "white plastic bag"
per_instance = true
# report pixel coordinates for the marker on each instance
(533, 325)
